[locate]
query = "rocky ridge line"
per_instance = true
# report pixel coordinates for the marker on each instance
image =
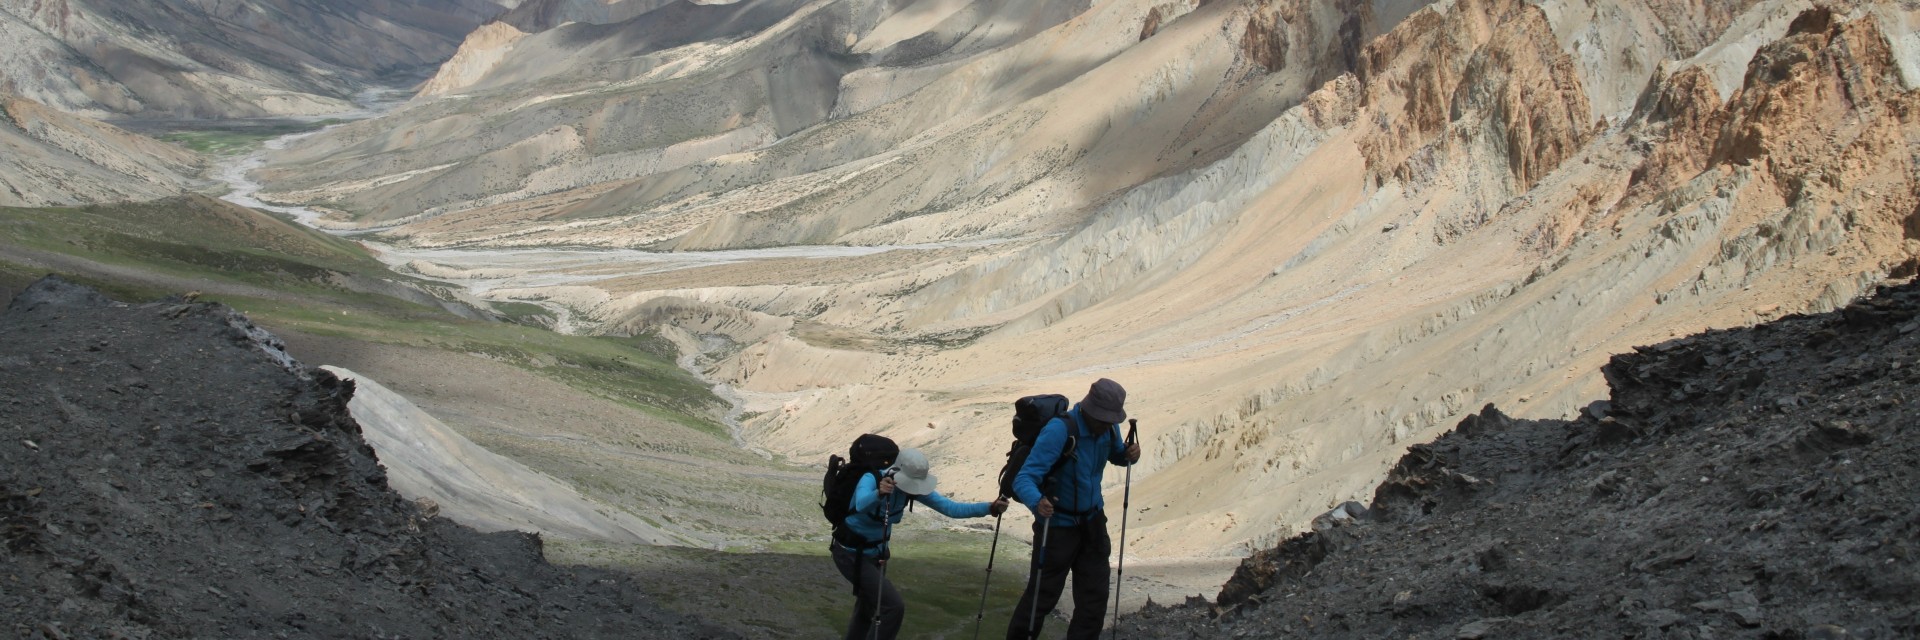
(1748, 482)
(167, 471)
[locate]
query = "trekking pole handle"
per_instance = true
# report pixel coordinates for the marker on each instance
(1133, 430)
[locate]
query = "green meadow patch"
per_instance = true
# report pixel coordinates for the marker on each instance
(235, 138)
(286, 275)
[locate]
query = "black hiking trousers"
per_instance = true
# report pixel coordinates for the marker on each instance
(864, 572)
(1081, 549)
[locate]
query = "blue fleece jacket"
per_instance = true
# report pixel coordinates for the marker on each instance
(1077, 487)
(868, 504)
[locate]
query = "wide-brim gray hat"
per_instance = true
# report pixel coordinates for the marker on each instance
(910, 473)
(1105, 402)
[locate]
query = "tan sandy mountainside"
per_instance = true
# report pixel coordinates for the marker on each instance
(50, 158)
(1305, 234)
(221, 59)
(600, 137)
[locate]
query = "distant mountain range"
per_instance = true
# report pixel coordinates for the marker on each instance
(217, 59)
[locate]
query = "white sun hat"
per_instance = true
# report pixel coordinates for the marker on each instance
(910, 473)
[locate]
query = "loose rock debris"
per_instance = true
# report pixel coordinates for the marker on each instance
(175, 475)
(1759, 482)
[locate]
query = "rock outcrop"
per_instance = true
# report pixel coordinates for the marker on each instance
(239, 500)
(1743, 482)
(1485, 75)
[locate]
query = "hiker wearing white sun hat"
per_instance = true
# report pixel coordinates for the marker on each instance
(878, 503)
(912, 473)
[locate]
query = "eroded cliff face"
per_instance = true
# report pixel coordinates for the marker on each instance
(1305, 234)
(1484, 79)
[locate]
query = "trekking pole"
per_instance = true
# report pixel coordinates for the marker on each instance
(880, 588)
(1040, 556)
(982, 615)
(1133, 429)
(1039, 563)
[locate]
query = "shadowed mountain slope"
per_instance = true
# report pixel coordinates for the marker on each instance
(239, 500)
(623, 143)
(1751, 482)
(210, 59)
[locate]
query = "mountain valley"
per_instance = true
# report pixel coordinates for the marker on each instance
(626, 272)
(1308, 243)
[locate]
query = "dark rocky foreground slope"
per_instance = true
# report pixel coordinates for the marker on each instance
(1760, 482)
(167, 472)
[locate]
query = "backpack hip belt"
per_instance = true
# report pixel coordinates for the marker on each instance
(854, 541)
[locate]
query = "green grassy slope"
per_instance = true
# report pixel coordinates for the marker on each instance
(235, 137)
(285, 275)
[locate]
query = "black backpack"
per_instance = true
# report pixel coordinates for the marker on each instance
(868, 454)
(1030, 415)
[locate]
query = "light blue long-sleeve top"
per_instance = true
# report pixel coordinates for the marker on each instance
(1078, 488)
(868, 504)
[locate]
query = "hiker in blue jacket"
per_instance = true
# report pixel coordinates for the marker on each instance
(1070, 524)
(864, 564)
